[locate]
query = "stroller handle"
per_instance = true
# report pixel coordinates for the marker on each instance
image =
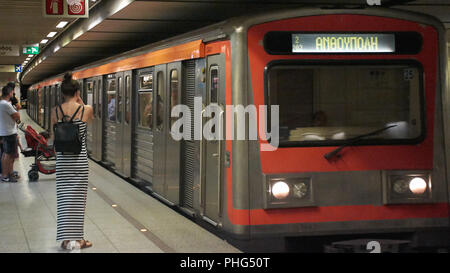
(21, 126)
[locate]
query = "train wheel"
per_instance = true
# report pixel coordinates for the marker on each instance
(33, 176)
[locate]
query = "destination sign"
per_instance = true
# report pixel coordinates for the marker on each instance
(343, 43)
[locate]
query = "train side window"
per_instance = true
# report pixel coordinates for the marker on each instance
(145, 101)
(90, 94)
(94, 98)
(146, 82)
(119, 100)
(111, 92)
(174, 98)
(127, 99)
(159, 100)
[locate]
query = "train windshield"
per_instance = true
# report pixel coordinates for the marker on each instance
(328, 104)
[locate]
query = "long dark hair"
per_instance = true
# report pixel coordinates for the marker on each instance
(69, 86)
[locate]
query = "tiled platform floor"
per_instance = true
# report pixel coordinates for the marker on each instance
(28, 217)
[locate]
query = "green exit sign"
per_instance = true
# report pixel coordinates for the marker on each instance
(31, 50)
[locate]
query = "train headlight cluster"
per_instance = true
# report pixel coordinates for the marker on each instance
(403, 187)
(407, 185)
(289, 192)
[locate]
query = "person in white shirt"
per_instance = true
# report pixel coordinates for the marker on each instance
(8, 133)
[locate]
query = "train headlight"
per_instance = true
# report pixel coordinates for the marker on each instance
(401, 186)
(280, 190)
(405, 187)
(418, 185)
(288, 191)
(300, 190)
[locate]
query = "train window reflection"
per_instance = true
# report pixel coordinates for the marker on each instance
(338, 102)
(145, 109)
(146, 82)
(127, 99)
(119, 100)
(159, 100)
(90, 98)
(214, 77)
(174, 98)
(111, 92)
(100, 98)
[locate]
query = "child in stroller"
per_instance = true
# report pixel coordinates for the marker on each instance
(44, 155)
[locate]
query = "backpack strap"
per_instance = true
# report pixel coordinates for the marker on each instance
(78, 109)
(62, 112)
(56, 112)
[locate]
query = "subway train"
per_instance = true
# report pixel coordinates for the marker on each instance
(350, 109)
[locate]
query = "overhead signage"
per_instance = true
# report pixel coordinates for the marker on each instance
(9, 50)
(343, 43)
(17, 68)
(31, 49)
(65, 8)
(7, 68)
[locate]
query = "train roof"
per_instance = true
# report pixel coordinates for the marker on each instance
(223, 30)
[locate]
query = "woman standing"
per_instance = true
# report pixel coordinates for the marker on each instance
(72, 170)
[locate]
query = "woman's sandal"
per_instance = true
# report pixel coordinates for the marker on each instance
(85, 244)
(64, 244)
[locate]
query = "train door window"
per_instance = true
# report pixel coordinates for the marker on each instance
(145, 101)
(127, 99)
(214, 77)
(99, 98)
(119, 100)
(90, 94)
(174, 98)
(159, 100)
(214, 90)
(111, 92)
(94, 98)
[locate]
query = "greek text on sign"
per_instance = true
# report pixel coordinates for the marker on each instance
(343, 43)
(9, 50)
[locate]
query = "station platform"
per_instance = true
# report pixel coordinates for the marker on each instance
(137, 223)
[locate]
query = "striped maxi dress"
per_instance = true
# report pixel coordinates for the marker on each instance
(72, 173)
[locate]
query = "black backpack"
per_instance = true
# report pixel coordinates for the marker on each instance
(67, 134)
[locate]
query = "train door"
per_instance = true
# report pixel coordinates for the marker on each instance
(173, 152)
(127, 125)
(109, 130)
(123, 124)
(97, 122)
(142, 166)
(212, 148)
(159, 131)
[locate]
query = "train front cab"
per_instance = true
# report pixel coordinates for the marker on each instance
(325, 100)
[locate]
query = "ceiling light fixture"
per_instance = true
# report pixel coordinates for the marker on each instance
(44, 41)
(62, 24)
(52, 34)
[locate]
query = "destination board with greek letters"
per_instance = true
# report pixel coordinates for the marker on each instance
(343, 43)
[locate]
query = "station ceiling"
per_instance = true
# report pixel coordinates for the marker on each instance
(116, 26)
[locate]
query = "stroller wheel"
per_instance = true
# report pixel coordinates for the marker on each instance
(33, 176)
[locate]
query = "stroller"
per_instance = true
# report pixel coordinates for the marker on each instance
(44, 155)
